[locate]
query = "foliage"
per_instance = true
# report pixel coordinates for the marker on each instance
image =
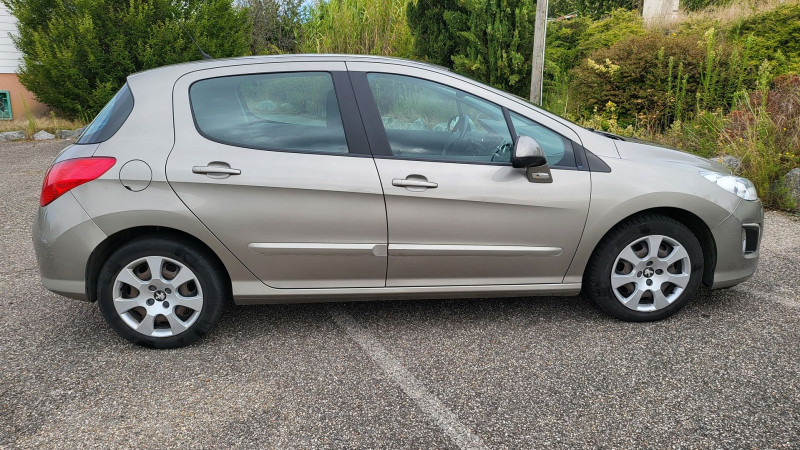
(570, 41)
(276, 25)
(376, 27)
(591, 8)
(497, 44)
(696, 5)
(435, 25)
(772, 35)
(647, 76)
(764, 131)
(77, 53)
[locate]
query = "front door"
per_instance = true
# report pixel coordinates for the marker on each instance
(458, 213)
(272, 158)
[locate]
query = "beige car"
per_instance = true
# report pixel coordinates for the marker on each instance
(328, 177)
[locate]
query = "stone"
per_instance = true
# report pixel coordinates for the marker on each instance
(43, 136)
(69, 134)
(417, 125)
(728, 161)
(791, 181)
(13, 136)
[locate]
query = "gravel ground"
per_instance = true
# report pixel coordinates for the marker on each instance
(511, 373)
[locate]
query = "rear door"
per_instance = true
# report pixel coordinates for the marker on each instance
(273, 159)
(458, 213)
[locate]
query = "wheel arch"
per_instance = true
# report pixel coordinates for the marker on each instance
(101, 253)
(694, 223)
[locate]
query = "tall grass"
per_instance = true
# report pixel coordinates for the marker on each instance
(371, 27)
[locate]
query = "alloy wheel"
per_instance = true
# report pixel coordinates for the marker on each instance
(650, 273)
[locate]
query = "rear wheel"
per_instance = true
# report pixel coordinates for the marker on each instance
(161, 293)
(645, 269)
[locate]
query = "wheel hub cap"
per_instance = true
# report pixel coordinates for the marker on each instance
(157, 296)
(650, 273)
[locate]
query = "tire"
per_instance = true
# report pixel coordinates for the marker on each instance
(628, 282)
(172, 309)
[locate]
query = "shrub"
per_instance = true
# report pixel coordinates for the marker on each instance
(276, 25)
(592, 8)
(771, 35)
(764, 131)
(649, 78)
(570, 41)
(77, 53)
(435, 25)
(376, 27)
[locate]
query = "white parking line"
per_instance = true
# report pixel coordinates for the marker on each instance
(444, 418)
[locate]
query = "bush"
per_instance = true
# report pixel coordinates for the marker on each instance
(374, 27)
(435, 24)
(591, 8)
(276, 25)
(77, 53)
(648, 77)
(764, 132)
(570, 41)
(772, 35)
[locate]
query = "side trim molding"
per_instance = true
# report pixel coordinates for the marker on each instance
(316, 248)
(470, 250)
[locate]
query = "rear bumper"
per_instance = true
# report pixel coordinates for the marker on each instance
(737, 258)
(64, 237)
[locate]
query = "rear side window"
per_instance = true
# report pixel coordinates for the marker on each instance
(283, 111)
(110, 119)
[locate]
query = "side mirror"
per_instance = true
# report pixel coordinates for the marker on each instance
(528, 155)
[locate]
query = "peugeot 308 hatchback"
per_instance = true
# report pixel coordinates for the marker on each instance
(319, 177)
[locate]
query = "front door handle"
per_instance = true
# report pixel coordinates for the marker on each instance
(414, 182)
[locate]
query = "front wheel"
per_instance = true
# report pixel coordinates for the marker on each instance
(161, 292)
(645, 269)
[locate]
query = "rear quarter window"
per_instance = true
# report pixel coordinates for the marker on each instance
(110, 119)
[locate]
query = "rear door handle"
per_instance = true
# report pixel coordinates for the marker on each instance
(215, 170)
(413, 183)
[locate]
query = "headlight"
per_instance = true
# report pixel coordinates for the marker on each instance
(739, 186)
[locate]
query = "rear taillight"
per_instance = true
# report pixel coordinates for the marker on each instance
(70, 174)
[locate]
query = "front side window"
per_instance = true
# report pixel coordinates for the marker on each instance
(428, 120)
(284, 111)
(110, 119)
(557, 148)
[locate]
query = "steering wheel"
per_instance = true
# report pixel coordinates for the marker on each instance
(457, 123)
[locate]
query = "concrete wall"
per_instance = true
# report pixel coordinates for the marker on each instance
(10, 60)
(659, 11)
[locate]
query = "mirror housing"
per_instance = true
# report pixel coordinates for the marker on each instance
(527, 153)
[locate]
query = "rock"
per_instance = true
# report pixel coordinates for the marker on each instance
(69, 134)
(417, 125)
(13, 136)
(440, 127)
(791, 181)
(43, 136)
(728, 161)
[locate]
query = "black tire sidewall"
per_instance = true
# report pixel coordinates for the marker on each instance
(598, 276)
(214, 287)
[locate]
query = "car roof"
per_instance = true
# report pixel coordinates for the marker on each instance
(176, 70)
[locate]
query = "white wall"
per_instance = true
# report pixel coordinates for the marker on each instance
(10, 57)
(660, 10)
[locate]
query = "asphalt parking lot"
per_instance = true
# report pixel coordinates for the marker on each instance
(540, 372)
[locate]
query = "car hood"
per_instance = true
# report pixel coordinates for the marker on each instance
(641, 151)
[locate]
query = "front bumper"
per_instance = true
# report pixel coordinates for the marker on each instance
(64, 237)
(737, 259)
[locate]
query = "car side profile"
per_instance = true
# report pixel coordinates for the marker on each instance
(308, 178)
